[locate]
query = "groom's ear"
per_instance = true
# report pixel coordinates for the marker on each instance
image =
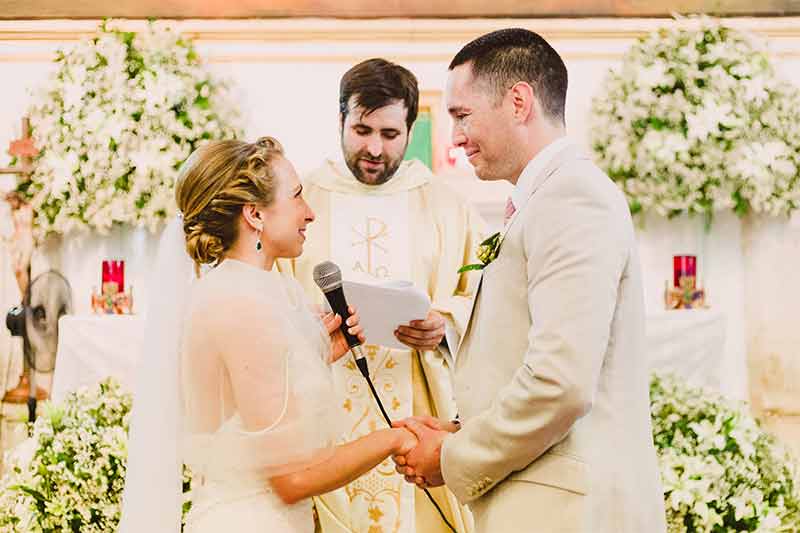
(523, 102)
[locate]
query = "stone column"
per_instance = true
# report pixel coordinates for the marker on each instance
(772, 294)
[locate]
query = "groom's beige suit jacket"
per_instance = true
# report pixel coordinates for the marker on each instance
(551, 380)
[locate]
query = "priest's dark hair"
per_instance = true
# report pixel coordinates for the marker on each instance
(376, 83)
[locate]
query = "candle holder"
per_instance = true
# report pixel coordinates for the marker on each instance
(113, 271)
(112, 298)
(684, 266)
(684, 292)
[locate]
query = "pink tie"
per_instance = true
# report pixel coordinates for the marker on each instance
(510, 209)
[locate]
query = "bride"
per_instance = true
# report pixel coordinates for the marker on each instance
(234, 379)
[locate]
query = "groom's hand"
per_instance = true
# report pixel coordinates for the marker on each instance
(422, 464)
(431, 422)
(422, 334)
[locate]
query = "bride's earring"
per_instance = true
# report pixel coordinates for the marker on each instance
(258, 242)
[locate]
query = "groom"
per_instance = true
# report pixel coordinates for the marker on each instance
(550, 377)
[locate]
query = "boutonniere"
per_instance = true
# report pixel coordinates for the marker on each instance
(487, 252)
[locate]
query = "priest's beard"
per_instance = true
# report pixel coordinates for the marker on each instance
(390, 166)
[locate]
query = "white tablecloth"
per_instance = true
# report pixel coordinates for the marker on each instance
(691, 344)
(721, 271)
(93, 347)
(90, 348)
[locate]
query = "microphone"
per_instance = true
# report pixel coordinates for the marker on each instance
(328, 277)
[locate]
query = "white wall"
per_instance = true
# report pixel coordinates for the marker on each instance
(287, 72)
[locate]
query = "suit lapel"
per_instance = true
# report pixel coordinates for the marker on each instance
(567, 153)
(469, 320)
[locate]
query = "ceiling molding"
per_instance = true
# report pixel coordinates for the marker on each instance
(402, 40)
(351, 58)
(383, 30)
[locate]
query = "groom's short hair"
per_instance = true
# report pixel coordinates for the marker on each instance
(376, 83)
(504, 57)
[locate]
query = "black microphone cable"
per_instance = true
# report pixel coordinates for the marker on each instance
(328, 277)
(361, 363)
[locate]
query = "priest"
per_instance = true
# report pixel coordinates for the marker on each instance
(381, 218)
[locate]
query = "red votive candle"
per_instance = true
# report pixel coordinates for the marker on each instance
(114, 272)
(684, 266)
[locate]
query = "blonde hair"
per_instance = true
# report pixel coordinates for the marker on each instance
(213, 185)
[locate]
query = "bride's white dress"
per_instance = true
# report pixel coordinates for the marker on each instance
(257, 399)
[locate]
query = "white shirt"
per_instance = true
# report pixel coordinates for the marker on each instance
(536, 165)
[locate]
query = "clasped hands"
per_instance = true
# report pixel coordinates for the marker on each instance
(420, 464)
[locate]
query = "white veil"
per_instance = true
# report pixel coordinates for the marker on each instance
(152, 498)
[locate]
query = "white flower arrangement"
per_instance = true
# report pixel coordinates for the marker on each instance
(720, 472)
(119, 115)
(69, 476)
(697, 121)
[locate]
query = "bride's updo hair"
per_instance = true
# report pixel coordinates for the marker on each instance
(214, 183)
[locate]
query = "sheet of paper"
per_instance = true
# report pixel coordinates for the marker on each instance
(383, 307)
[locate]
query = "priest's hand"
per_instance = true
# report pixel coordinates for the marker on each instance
(332, 323)
(422, 334)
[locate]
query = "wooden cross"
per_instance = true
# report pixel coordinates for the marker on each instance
(21, 246)
(21, 243)
(24, 149)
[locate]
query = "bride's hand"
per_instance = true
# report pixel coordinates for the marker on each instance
(339, 345)
(405, 441)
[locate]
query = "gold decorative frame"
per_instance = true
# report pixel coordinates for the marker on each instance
(354, 9)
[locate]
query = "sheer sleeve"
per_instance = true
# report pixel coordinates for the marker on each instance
(258, 392)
